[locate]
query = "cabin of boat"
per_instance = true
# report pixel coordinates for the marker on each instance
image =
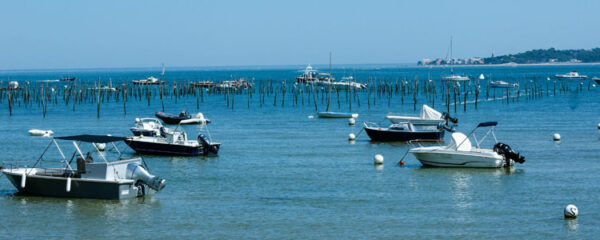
(92, 178)
(146, 127)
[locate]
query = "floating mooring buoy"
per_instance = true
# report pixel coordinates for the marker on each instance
(351, 137)
(571, 211)
(351, 121)
(556, 137)
(378, 159)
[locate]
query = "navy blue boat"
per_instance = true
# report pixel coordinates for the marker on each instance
(404, 132)
(174, 143)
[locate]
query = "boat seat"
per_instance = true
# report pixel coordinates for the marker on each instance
(81, 162)
(80, 165)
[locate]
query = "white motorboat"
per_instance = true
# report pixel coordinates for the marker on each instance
(118, 179)
(429, 116)
(460, 152)
(573, 75)
(455, 78)
(503, 84)
(40, 133)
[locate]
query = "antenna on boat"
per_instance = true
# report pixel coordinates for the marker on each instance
(330, 81)
(162, 73)
(451, 61)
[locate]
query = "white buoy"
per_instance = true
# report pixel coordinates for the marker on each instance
(571, 211)
(68, 184)
(101, 146)
(351, 121)
(311, 117)
(556, 137)
(351, 137)
(598, 125)
(23, 178)
(378, 159)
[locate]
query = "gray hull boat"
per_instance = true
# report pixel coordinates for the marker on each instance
(119, 179)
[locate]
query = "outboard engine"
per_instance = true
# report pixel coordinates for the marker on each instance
(508, 153)
(184, 114)
(206, 145)
(446, 127)
(138, 173)
(446, 116)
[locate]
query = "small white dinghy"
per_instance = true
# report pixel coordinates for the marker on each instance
(196, 119)
(337, 115)
(40, 133)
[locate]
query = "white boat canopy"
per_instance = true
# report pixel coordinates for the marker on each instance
(429, 113)
(460, 142)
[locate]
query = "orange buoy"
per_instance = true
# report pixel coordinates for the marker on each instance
(401, 163)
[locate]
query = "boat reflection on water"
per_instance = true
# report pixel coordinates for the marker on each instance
(473, 171)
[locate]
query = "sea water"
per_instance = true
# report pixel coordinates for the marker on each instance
(284, 173)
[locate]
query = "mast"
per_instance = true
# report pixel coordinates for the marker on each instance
(330, 82)
(451, 61)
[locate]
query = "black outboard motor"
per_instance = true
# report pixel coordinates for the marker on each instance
(206, 146)
(184, 114)
(446, 116)
(508, 153)
(446, 127)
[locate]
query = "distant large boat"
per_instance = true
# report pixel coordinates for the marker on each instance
(573, 75)
(309, 75)
(148, 81)
(68, 79)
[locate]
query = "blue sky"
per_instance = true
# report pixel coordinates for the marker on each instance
(99, 34)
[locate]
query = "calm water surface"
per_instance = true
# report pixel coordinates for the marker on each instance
(281, 174)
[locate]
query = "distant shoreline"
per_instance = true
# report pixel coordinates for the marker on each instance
(512, 65)
(283, 67)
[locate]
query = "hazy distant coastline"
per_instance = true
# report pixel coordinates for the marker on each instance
(538, 56)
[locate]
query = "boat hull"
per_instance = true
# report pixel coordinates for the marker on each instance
(161, 148)
(386, 135)
(459, 159)
(337, 115)
(80, 188)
